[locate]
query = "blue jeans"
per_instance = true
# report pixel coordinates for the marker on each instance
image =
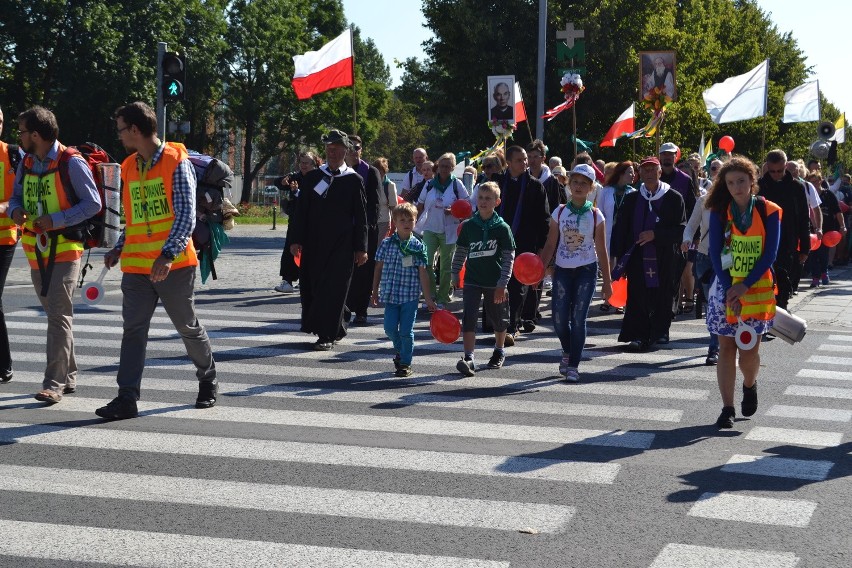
(701, 265)
(399, 327)
(573, 289)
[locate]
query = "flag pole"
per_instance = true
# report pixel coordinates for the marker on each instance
(765, 109)
(352, 46)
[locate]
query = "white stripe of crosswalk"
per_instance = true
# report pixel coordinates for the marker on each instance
(676, 555)
(810, 413)
(818, 392)
(365, 422)
(384, 397)
(814, 470)
(750, 509)
(798, 437)
(327, 454)
(164, 550)
(824, 374)
(399, 507)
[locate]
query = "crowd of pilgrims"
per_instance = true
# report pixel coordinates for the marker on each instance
(728, 240)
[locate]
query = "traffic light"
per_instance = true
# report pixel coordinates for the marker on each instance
(173, 71)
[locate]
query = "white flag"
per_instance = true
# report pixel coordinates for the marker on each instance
(739, 98)
(802, 103)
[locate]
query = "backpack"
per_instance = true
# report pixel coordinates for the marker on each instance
(102, 229)
(14, 156)
(214, 179)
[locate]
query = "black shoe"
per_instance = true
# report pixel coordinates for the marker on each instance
(726, 419)
(404, 371)
(396, 361)
(6, 377)
(637, 346)
(207, 391)
(496, 360)
(529, 326)
(664, 340)
(120, 408)
(510, 340)
(465, 367)
(749, 404)
(712, 358)
(360, 320)
(768, 337)
(323, 344)
(69, 390)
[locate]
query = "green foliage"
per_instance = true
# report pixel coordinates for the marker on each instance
(398, 134)
(448, 87)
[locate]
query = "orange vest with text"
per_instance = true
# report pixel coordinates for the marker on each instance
(46, 189)
(758, 303)
(8, 229)
(149, 212)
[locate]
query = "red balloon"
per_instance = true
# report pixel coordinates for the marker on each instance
(461, 275)
(831, 238)
(528, 268)
(298, 260)
(843, 207)
(619, 293)
(815, 242)
(726, 143)
(445, 327)
(459, 228)
(399, 200)
(461, 209)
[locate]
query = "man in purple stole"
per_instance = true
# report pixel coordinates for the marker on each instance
(652, 219)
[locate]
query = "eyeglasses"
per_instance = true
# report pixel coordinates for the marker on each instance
(356, 148)
(120, 130)
(22, 132)
(782, 171)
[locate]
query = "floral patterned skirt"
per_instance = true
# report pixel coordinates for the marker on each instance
(717, 322)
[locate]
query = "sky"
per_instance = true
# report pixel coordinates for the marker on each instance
(396, 26)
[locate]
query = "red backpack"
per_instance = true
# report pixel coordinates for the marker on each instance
(102, 229)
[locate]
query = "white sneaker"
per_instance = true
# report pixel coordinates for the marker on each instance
(285, 287)
(548, 283)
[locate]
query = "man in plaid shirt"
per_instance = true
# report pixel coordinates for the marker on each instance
(157, 256)
(400, 273)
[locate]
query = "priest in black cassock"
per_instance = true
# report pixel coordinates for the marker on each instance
(646, 236)
(330, 233)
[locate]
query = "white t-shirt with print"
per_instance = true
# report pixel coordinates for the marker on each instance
(576, 240)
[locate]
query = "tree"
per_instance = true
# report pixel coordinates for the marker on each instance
(708, 48)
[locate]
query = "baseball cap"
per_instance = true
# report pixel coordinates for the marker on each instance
(669, 147)
(584, 170)
(559, 171)
(649, 161)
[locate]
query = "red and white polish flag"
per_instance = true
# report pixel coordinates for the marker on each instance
(326, 69)
(623, 125)
(520, 111)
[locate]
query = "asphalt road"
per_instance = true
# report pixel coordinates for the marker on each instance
(328, 460)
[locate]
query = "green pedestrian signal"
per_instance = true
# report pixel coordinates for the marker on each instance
(173, 73)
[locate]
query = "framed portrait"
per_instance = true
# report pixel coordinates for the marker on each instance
(658, 69)
(501, 97)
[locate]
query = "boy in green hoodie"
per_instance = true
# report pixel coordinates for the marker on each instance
(486, 243)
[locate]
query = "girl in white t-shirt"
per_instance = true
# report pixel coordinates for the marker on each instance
(578, 237)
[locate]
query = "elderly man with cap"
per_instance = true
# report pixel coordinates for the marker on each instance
(330, 234)
(648, 228)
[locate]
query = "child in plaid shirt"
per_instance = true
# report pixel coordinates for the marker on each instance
(401, 273)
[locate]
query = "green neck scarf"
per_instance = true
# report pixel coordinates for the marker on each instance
(578, 211)
(486, 224)
(436, 183)
(742, 220)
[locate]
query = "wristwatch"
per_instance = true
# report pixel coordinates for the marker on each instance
(170, 256)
